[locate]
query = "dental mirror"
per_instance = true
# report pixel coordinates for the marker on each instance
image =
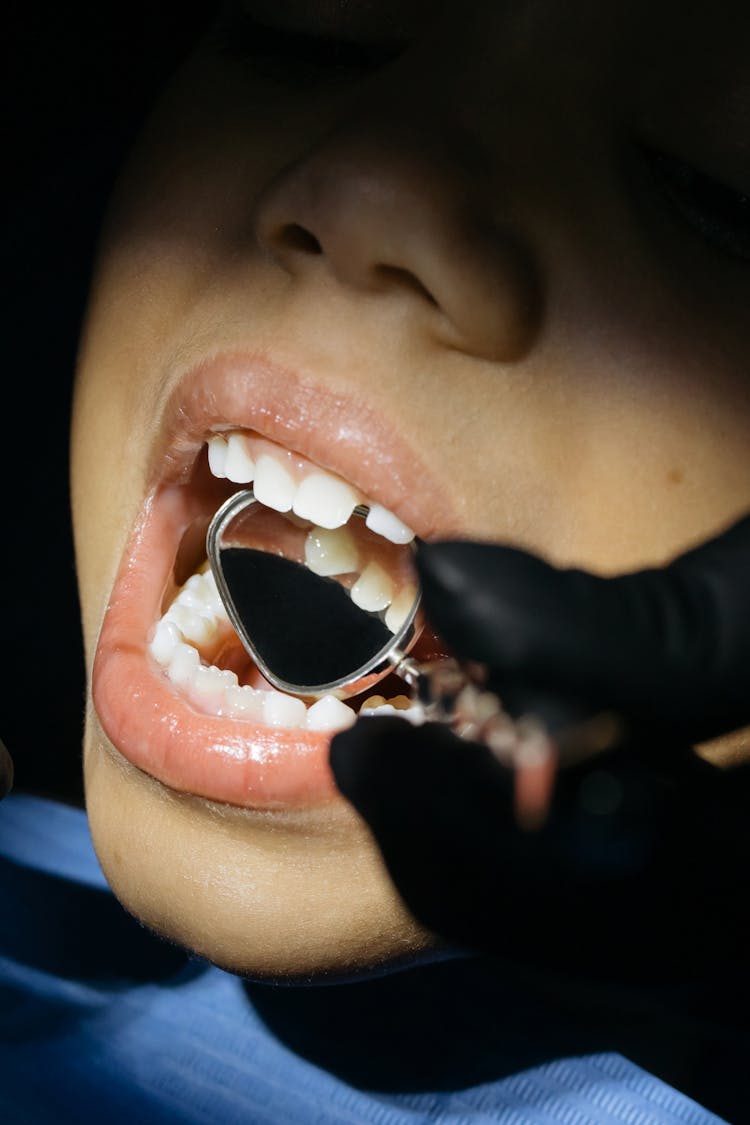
(320, 611)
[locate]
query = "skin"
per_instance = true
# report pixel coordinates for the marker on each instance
(551, 336)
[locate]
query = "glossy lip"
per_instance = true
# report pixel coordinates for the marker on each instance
(143, 716)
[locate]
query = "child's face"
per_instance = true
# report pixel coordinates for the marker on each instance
(450, 273)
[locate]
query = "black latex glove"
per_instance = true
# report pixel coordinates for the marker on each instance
(643, 863)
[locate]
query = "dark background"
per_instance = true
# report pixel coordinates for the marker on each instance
(80, 80)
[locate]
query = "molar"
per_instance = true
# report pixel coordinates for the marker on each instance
(164, 641)
(194, 626)
(372, 703)
(184, 662)
(204, 586)
(395, 703)
(399, 705)
(243, 702)
(207, 687)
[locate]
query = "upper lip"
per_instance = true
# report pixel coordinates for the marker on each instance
(339, 432)
(214, 756)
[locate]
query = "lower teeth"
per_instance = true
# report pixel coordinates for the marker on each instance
(196, 620)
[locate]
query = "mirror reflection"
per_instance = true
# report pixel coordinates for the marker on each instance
(315, 608)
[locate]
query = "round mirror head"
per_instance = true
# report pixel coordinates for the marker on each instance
(320, 611)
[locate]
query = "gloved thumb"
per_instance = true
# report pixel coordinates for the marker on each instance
(648, 645)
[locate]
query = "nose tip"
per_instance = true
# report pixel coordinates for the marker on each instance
(393, 215)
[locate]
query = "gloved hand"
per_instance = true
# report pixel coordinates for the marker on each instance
(642, 863)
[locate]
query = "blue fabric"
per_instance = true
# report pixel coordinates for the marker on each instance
(100, 1021)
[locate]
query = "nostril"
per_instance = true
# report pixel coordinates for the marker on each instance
(295, 237)
(405, 279)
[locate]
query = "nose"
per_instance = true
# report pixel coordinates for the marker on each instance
(387, 211)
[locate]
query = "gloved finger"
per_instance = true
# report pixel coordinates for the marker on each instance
(440, 809)
(651, 645)
(596, 889)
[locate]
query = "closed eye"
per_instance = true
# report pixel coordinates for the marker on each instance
(719, 213)
(299, 57)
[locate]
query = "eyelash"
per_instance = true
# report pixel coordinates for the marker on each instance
(718, 213)
(297, 57)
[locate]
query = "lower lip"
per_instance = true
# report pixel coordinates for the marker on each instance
(155, 728)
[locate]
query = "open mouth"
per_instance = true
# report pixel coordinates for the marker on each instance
(174, 688)
(194, 640)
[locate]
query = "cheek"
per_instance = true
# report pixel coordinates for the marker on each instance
(107, 460)
(604, 466)
(213, 142)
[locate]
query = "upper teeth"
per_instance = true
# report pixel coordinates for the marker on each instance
(326, 500)
(231, 459)
(288, 482)
(384, 523)
(273, 486)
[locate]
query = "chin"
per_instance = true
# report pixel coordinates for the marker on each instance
(279, 895)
